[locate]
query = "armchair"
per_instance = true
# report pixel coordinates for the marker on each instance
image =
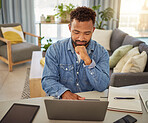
(14, 54)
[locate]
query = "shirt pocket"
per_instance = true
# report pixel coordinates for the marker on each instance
(66, 73)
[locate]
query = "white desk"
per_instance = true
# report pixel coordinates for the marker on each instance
(41, 116)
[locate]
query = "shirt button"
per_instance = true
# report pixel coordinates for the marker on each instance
(77, 84)
(91, 73)
(66, 69)
(77, 62)
(77, 72)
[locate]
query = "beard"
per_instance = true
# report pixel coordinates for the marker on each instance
(80, 43)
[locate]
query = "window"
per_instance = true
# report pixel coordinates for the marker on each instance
(134, 18)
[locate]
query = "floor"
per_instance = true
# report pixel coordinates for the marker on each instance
(12, 83)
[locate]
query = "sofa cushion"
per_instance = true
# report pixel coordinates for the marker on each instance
(125, 58)
(118, 54)
(135, 64)
(144, 47)
(117, 39)
(20, 52)
(131, 40)
(102, 37)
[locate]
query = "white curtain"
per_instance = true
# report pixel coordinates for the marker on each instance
(114, 4)
(19, 11)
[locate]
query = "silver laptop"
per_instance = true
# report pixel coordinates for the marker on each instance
(86, 110)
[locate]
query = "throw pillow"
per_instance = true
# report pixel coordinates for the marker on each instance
(102, 37)
(125, 58)
(144, 47)
(136, 63)
(13, 34)
(118, 54)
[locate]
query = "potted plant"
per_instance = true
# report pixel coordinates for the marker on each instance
(48, 19)
(104, 15)
(45, 46)
(64, 12)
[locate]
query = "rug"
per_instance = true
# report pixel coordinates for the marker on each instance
(26, 89)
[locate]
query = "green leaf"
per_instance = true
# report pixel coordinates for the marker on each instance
(96, 7)
(63, 10)
(104, 15)
(45, 46)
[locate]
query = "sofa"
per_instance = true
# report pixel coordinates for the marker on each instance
(118, 39)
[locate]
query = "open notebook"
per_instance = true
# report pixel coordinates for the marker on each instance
(124, 105)
(144, 96)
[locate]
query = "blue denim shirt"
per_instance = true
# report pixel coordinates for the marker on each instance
(62, 71)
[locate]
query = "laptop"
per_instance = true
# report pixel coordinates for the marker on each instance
(82, 110)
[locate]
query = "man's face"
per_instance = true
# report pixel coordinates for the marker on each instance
(81, 32)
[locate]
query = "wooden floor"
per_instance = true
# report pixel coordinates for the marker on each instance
(12, 83)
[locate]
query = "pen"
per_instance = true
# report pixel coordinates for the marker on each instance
(103, 97)
(129, 98)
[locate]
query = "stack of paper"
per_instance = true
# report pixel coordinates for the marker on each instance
(125, 105)
(144, 96)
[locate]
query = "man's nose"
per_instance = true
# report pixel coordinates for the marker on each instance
(81, 37)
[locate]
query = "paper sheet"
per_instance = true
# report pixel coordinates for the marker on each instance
(126, 105)
(144, 96)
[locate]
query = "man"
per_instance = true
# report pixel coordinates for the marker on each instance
(76, 64)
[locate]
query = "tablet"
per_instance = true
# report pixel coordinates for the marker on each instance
(20, 113)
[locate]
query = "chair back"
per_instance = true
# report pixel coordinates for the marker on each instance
(6, 25)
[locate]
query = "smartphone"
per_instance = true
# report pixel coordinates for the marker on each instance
(126, 119)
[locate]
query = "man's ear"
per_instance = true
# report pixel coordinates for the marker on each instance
(69, 25)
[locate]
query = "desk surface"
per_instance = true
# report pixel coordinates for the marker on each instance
(41, 116)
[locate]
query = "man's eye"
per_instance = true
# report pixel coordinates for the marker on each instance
(87, 33)
(76, 32)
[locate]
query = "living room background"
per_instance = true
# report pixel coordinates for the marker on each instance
(133, 16)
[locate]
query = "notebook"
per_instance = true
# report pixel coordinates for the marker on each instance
(86, 110)
(144, 96)
(124, 105)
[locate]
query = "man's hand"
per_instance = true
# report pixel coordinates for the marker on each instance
(72, 96)
(81, 50)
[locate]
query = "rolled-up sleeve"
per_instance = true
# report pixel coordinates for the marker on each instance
(92, 65)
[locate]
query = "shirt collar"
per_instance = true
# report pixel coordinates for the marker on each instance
(89, 48)
(70, 46)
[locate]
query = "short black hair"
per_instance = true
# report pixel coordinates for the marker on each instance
(83, 14)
